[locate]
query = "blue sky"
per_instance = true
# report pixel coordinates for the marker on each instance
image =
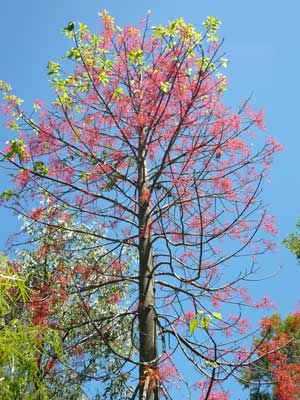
(263, 47)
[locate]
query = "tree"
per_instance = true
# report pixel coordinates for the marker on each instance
(292, 241)
(22, 349)
(138, 141)
(276, 373)
(63, 270)
(48, 314)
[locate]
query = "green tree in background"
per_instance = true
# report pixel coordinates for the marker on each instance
(67, 272)
(292, 241)
(24, 347)
(276, 375)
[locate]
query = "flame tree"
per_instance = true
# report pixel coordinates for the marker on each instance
(276, 372)
(138, 141)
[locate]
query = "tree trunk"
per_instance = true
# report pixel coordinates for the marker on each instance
(149, 385)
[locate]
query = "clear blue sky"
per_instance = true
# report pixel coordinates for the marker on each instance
(263, 47)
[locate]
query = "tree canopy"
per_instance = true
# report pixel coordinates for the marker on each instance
(292, 241)
(67, 273)
(276, 373)
(25, 348)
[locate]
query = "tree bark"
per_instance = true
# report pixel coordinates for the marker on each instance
(149, 385)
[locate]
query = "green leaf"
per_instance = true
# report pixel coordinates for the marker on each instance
(117, 93)
(103, 77)
(4, 86)
(212, 24)
(16, 148)
(205, 322)
(211, 364)
(216, 315)
(165, 86)
(159, 31)
(53, 68)
(136, 57)
(7, 194)
(193, 325)
(82, 28)
(40, 168)
(85, 175)
(14, 99)
(73, 53)
(292, 243)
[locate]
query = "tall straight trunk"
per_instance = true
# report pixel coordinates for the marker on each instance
(149, 388)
